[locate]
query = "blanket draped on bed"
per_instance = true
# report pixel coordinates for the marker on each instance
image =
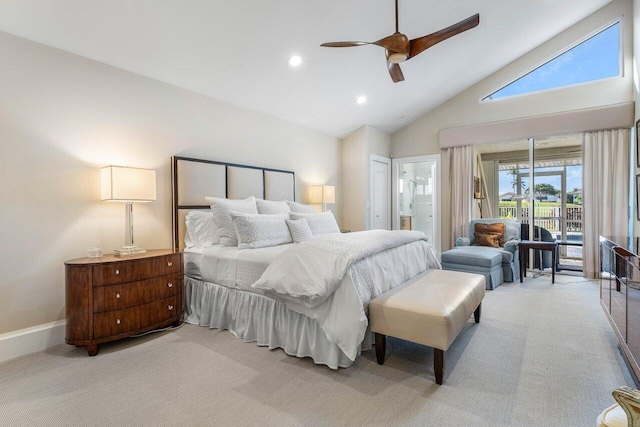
(331, 278)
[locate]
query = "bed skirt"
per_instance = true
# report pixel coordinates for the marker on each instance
(265, 321)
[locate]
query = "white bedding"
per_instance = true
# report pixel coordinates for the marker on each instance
(332, 278)
(192, 262)
(308, 273)
(236, 268)
(342, 312)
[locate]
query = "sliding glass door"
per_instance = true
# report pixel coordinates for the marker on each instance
(549, 195)
(557, 197)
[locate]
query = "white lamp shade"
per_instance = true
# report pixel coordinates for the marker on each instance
(125, 184)
(322, 194)
(315, 194)
(328, 194)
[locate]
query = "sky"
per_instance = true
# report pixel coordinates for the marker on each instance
(594, 59)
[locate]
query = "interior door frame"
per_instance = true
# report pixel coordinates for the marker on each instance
(437, 192)
(371, 216)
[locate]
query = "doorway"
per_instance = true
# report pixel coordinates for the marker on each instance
(539, 181)
(416, 191)
(380, 193)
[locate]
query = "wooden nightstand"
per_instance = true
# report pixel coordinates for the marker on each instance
(109, 298)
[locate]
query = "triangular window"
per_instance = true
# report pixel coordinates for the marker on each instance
(596, 58)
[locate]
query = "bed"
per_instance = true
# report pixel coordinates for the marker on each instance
(266, 295)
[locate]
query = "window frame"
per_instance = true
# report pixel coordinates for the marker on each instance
(619, 20)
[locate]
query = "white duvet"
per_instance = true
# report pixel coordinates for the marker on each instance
(332, 278)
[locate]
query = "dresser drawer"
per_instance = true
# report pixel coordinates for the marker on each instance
(112, 323)
(130, 271)
(123, 295)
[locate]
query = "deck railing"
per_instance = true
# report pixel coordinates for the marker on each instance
(549, 217)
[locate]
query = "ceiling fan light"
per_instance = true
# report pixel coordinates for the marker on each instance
(295, 61)
(397, 57)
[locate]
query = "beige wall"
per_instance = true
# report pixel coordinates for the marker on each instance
(421, 136)
(378, 142)
(355, 180)
(62, 117)
(357, 150)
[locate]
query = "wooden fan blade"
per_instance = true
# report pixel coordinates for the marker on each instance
(343, 44)
(420, 44)
(395, 72)
(395, 42)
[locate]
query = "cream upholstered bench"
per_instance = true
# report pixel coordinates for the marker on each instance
(430, 311)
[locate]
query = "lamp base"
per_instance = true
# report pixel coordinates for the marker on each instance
(129, 251)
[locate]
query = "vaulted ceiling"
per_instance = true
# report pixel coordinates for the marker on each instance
(238, 51)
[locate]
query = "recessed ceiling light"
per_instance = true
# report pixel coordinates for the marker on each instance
(361, 100)
(295, 60)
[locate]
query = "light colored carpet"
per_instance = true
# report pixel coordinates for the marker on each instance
(543, 355)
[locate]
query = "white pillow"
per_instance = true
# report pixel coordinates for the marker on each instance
(300, 208)
(221, 207)
(299, 229)
(201, 230)
(269, 207)
(319, 223)
(259, 231)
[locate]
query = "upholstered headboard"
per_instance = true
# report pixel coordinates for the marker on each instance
(195, 179)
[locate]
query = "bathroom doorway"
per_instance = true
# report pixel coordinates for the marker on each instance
(416, 191)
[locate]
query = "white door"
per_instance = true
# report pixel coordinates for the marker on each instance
(380, 195)
(417, 196)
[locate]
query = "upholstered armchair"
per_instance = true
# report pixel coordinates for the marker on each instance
(509, 252)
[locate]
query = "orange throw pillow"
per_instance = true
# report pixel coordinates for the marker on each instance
(493, 228)
(488, 239)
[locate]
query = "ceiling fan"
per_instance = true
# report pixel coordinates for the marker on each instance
(399, 48)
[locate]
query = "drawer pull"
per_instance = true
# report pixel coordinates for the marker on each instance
(118, 321)
(170, 307)
(117, 295)
(169, 264)
(170, 285)
(117, 271)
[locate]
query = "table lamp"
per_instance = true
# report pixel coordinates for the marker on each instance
(322, 194)
(128, 185)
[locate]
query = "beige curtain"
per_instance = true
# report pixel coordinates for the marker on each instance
(605, 189)
(487, 172)
(461, 184)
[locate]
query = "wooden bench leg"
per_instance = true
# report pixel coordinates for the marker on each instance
(438, 364)
(477, 313)
(381, 346)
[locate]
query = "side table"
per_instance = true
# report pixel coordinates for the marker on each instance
(524, 247)
(111, 297)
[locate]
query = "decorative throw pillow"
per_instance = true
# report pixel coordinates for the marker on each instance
(299, 229)
(299, 207)
(201, 230)
(493, 228)
(488, 239)
(319, 223)
(270, 207)
(221, 208)
(260, 231)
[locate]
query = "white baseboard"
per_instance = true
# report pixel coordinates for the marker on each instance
(30, 340)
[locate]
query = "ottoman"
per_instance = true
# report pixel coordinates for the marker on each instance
(475, 259)
(430, 311)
